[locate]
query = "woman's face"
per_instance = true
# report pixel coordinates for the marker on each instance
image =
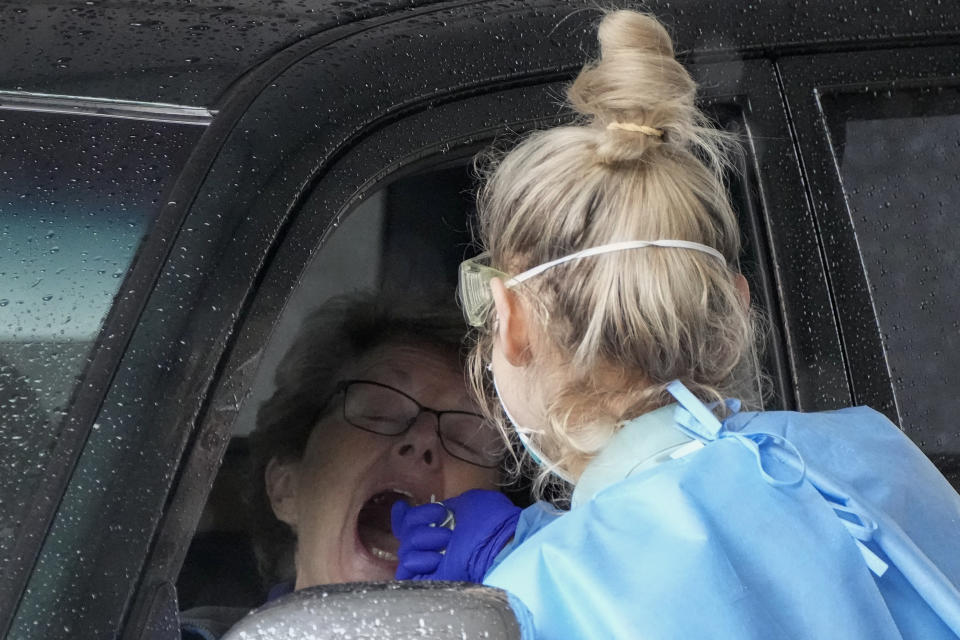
(337, 497)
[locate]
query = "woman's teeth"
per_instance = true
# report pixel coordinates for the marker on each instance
(383, 555)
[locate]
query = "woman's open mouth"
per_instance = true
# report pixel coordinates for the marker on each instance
(373, 524)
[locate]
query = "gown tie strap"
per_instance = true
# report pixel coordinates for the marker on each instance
(697, 421)
(863, 521)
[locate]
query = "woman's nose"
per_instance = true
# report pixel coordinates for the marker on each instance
(420, 444)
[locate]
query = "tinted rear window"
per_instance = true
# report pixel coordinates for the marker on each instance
(897, 152)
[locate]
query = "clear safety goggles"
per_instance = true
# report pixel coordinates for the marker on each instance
(473, 289)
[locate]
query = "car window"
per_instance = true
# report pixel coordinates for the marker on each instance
(896, 156)
(77, 196)
(407, 237)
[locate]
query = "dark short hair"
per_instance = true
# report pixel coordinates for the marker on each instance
(339, 332)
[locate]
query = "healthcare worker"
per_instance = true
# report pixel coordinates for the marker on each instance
(614, 324)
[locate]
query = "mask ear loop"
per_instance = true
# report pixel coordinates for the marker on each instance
(535, 454)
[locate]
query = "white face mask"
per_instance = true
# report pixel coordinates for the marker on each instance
(535, 453)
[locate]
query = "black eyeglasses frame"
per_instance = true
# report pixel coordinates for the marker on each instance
(344, 385)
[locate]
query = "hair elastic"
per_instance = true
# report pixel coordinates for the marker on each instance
(637, 128)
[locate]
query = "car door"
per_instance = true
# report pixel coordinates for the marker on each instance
(109, 125)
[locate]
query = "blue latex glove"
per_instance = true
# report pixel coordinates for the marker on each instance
(484, 522)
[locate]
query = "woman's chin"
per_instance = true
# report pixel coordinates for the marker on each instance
(356, 564)
(370, 569)
(370, 563)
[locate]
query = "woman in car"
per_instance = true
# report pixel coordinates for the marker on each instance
(370, 406)
(614, 321)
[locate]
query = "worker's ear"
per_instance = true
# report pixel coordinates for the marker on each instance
(280, 479)
(513, 324)
(742, 288)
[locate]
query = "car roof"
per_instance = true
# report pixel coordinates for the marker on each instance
(190, 53)
(159, 51)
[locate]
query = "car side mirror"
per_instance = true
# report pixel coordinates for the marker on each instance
(438, 610)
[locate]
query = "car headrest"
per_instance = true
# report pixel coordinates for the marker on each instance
(438, 610)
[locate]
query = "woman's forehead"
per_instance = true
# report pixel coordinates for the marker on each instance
(408, 363)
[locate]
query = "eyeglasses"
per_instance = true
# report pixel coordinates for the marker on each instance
(473, 287)
(381, 409)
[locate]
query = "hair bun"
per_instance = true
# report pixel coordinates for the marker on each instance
(637, 95)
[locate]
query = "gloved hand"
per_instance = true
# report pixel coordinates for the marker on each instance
(484, 522)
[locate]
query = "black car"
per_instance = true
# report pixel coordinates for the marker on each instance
(180, 181)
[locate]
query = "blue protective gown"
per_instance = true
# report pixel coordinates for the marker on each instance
(784, 525)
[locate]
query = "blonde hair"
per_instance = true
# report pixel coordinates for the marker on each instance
(642, 163)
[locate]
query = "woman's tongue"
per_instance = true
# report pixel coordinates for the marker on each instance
(373, 526)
